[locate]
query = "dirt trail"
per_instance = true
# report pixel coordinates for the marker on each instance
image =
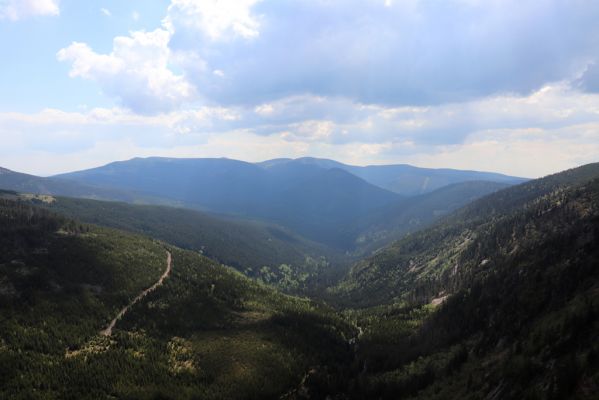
(108, 330)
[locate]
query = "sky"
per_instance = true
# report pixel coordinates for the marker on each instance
(509, 86)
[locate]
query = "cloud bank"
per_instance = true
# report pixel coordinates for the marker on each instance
(554, 128)
(412, 52)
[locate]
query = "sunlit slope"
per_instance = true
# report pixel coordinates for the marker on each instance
(207, 332)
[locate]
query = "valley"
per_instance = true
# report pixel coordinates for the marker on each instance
(299, 200)
(476, 289)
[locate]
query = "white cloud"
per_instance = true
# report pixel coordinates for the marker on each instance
(106, 12)
(264, 110)
(19, 9)
(549, 152)
(309, 131)
(217, 19)
(137, 71)
(552, 129)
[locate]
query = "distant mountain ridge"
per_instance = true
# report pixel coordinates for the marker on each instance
(403, 179)
(322, 200)
(306, 198)
(318, 198)
(410, 214)
(25, 183)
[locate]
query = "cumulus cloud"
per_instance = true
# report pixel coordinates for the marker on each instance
(137, 71)
(217, 19)
(416, 52)
(19, 9)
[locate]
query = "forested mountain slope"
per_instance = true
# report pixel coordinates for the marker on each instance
(382, 226)
(267, 251)
(310, 200)
(500, 300)
(403, 270)
(258, 249)
(11, 180)
(322, 200)
(207, 332)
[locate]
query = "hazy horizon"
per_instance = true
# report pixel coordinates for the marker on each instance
(258, 162)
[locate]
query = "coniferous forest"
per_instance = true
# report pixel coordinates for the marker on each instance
(499, 298)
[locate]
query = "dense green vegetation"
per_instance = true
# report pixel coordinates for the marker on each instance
(382, 226)
(412, 269)
(208, 332)
(515, 280)
(500, 299)
(268, 252)
(260, 250)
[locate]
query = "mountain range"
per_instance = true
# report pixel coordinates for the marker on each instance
(403, 179)
(316, 198)
(298, 279)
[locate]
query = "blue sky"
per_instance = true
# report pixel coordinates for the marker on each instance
(497, 85)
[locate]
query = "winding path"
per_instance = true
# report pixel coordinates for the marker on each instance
(108, 330)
